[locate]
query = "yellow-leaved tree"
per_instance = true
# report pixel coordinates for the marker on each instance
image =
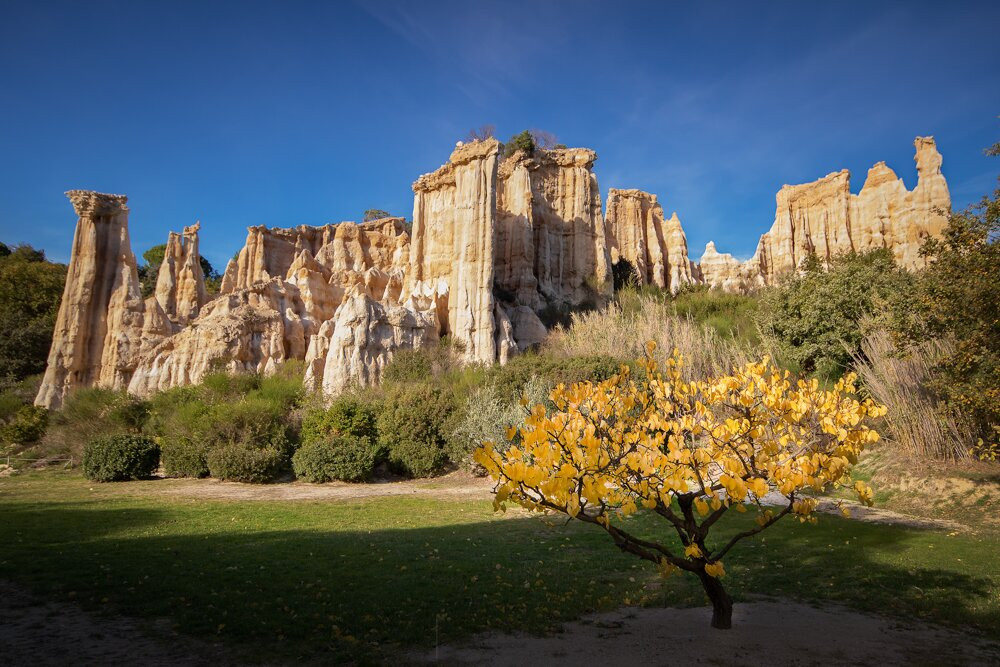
(687, 450)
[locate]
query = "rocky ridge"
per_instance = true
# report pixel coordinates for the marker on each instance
(496, 243)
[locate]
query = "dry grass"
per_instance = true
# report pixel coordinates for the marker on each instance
(917, 424)
(621, 334)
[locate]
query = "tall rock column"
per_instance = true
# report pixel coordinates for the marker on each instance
(655, 247)
(451, 252)
(96, 337)
(180, 284)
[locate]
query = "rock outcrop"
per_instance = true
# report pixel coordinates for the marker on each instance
(720, 270)
(249, 329)
(825, 219)
(451, 254)
(551, 246)
(495, 244)
(180, 284)
(100, 317)
(655, 248)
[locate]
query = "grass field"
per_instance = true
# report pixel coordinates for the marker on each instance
(365, 578)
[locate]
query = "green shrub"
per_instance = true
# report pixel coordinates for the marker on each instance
(120, 457)
(238, 463)
(522, 141)
(184, 457)
(345, 458)
(348, 414)
(956, 300)
(26, 426)
(817, 318)
(90, 414)
(414, 423)
(511, 378)
(243, 409)
(731, 315)
(489, 411)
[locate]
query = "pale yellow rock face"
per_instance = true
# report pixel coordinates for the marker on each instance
(824, 218)
(551, 246)
(720, 270)
(451, 255)
(180, 284)
(656, 248)
(364, 336)
(249, 329)
(99, 322)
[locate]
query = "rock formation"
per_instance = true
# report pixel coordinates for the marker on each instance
(495, 243)
(654, 247)
(551, 244)
(101, 303)
(719, 270)
(451, 255)
(180, 284)
(824, 218)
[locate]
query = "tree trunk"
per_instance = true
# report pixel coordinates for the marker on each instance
(722, 604)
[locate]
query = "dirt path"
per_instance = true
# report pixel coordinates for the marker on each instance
(773, 633)
(39, 632)
(457, 484)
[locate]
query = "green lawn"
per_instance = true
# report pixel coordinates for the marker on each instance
(362, 578)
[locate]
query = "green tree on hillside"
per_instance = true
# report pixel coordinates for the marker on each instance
(817, 316)
(958, 297)
(30, 291)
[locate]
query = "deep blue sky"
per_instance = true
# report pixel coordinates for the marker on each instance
(287, 113)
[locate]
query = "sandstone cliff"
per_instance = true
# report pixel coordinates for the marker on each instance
(654, 247)
(824, 218)
(551, 243)
(180, 283)
(451, 254)
(494, 244)
(101, 306)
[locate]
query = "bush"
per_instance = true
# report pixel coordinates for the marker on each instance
(120, 457)
(523, 141)
(26, 426)
(957, 301)
(30, 291)
(184, 457)
(510, 380)
(489, 412)
(348, 414)
(245, 410)
(91, 414)
(345, 458)
(816, 317)
(413, 427)
(239, 463)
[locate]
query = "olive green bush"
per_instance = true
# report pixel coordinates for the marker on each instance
(89, 414)
(226, 411)
(240, 463)
(25, 426)
(347, 414)
(818, 318)
(340, 457)
(414, 423)
(120, 457)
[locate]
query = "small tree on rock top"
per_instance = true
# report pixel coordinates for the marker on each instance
(688, 451)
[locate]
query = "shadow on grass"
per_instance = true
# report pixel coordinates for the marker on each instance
(323, 589)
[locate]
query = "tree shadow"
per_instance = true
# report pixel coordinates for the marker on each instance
(329, 590)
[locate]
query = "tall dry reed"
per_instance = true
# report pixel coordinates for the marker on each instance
(622, 335)
(917, 422)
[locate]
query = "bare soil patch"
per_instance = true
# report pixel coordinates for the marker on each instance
(458, 484)
(767, 632)
(41, 632)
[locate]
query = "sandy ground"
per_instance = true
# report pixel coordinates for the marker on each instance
(457, 484)
(769, 633)
(39, 632)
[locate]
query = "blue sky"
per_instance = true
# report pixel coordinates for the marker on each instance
(285, 113)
